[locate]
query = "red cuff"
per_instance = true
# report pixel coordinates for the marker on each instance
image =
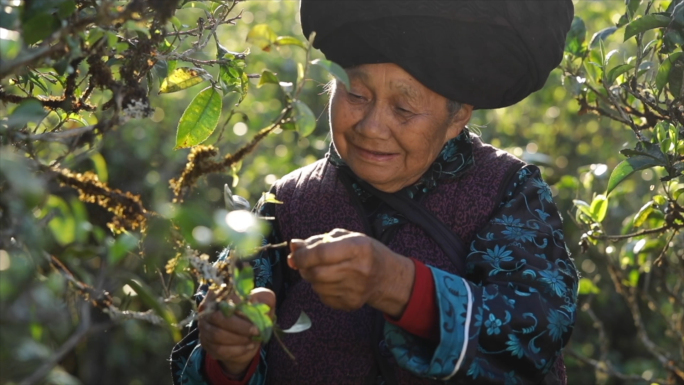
(218, 377)
(421, 316)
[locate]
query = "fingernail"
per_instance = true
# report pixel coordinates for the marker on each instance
(291, 262)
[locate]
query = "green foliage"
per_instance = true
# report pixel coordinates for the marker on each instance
(634, 240)
(91, 92)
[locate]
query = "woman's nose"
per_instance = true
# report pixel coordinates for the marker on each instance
(373, 123)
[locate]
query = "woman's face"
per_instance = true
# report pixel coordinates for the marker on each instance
(388, 127)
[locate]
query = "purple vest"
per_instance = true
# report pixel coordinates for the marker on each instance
(338, 349)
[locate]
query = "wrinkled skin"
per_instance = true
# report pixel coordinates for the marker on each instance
(229, 339)
(348, 270)
(388, 127)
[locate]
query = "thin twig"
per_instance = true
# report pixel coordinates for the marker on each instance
(83, 330)
(628, 294)
(607, 367)
(62, 135)
(632, 235)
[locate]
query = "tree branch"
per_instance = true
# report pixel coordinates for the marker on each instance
(632, 235)
(607, 367)
(83, 330)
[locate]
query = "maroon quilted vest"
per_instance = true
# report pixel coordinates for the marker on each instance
(338, 349)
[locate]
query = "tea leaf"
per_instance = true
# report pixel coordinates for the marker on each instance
(182, 78)
(200, 118)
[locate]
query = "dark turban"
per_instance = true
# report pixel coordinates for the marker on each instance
(488, 53)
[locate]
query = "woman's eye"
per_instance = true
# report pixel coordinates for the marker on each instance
(356, 97)
(404, 111)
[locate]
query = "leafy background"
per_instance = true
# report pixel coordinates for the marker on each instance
(576, 149)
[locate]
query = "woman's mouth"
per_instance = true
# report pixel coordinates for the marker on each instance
(375, 156)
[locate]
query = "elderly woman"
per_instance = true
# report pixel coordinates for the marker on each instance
(420, 253)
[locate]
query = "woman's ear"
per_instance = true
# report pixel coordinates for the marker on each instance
(459, 121)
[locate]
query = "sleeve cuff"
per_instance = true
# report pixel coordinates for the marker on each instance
(217, 376)
(421, 316)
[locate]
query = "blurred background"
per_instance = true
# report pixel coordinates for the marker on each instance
(575, 151)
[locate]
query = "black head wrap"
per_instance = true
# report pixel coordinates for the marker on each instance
(488, 53)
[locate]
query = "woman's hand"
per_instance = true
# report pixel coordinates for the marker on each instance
(348, 270)
(229, 339)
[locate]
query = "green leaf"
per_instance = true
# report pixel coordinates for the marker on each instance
(304, 119)
(662, 130)
(677, 12)
(643, 214)
(39, 27)
(633, 278)
(676, 77)
(62, 226)
(182, 78)
(678, 191)
(224, 53)
(30, 110)
(627, 168)
(176, 22)
(646, 23)
(185, 287)
(123, 244)
(100, 166)
(601, 35)
(148, 299)
(674, 37)
(659, 200)
(257, 313)
(200, 118)
(647, 149)
(289, 40)
(270, 198)
(233, 78)
(334, 69)
(303, 323)
(262, 35)
(574, 41)
(664, 70)
(583, 207)
(632, 6)
(673, 133)
(94, 35)
(267, 77)
(227, 308)
(599, 208)
(243, 279)
(617, 71)
(66, 9)
(587, 286)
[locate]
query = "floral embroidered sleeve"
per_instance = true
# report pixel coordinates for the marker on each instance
(508, 318)
(188, 359)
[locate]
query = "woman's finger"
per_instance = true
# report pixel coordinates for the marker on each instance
(210, 297)
(231, 353)
(324, 273)
(323, 253)
(219, 336)
(234, 324)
